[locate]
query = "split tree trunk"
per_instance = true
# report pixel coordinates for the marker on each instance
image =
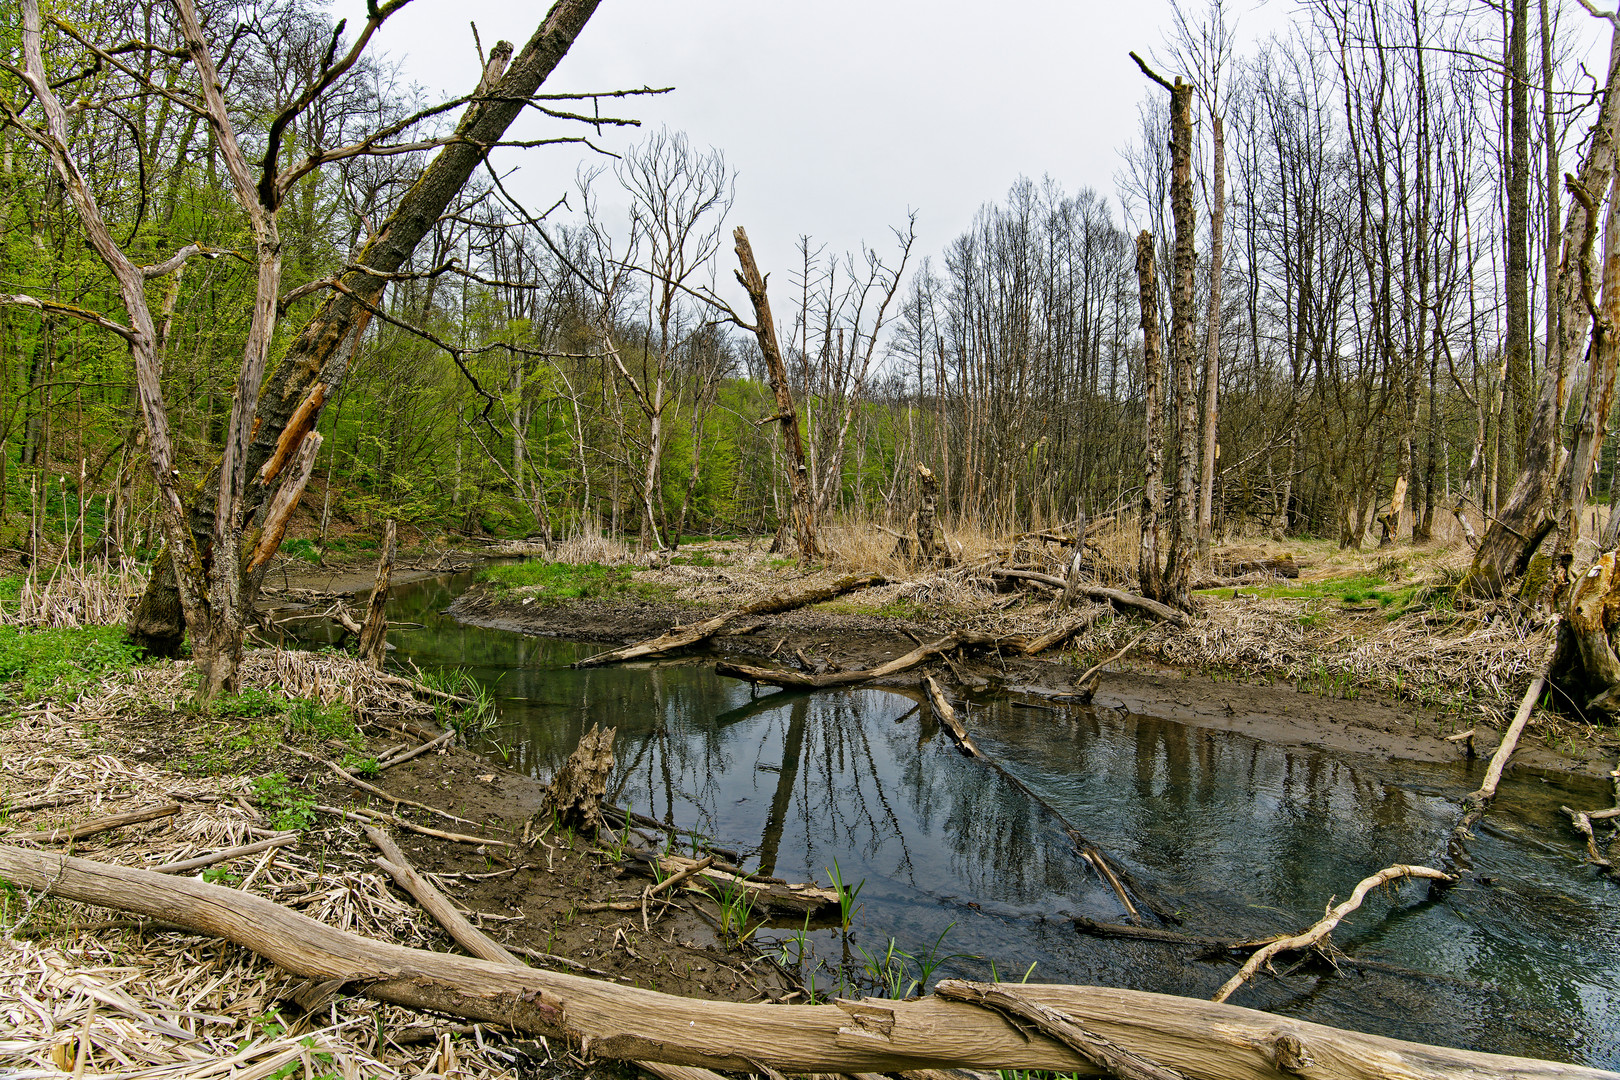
(804, 522)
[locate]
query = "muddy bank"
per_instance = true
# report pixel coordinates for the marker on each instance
(1367, 723)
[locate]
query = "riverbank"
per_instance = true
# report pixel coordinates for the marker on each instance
(266, 767)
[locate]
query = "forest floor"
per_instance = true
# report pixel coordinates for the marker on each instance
(1362, 651)
(139, 993)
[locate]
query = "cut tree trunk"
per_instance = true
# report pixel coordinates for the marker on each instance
(374, 632)
(1201, 1040)
(682, 636)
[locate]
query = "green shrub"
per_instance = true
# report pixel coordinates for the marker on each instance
(289, 807)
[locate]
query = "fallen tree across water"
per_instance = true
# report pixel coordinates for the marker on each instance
(681, 637)
(1200, 1040)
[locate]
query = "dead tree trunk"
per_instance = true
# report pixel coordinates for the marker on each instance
(1183, 348)
(804, 523)
(1212, 341)
(1522, 523)
(1201, 1040)
(374, 631)
(928, 546)
(1148, 571)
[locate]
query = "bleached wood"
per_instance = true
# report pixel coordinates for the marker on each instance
(1202, 1040)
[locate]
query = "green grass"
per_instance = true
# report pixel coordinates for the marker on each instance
(62, 662)
(11, 590)
(1354, 590)
(556, 581)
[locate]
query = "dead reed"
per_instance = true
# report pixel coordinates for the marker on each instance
(71, 596)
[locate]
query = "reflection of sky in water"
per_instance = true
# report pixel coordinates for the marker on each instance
(1242, 838)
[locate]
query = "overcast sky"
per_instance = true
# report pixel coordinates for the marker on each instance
(839, 116)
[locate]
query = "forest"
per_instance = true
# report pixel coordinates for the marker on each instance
(392, 559)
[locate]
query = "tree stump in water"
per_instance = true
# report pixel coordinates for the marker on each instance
(575, 794)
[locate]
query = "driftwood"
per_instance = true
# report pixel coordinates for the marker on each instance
(1109, 1057)
(1476, 802)
(1325, 926)
(772, 895)
(1583, 825)
(97, 825)
(222, 856)
(785, 677)
(367, 816)
(432, 744)
(435, 903)
(574, 795)
(948, 717)
(1201, 1040)
(1120, 599)
(682, 636)
(374, 631)
(371, 789)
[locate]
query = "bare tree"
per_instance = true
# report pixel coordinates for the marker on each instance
(219, 543)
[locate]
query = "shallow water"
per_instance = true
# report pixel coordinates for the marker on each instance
(1241, 838)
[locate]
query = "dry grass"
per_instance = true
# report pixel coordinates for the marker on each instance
(75, 596)
(329, 678)
(100, 995)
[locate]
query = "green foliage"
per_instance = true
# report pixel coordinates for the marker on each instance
(359, 766)
(309, 720)
(10, 590)
(302, 548)
(62, 662)
(289, 807)
(556, 581)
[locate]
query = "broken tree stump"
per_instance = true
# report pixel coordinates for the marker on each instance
(374, 631)
(575, 793)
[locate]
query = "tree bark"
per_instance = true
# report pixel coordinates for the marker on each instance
(1202, 1040)
(1183, 349)
(804, 522)
(1149, 572)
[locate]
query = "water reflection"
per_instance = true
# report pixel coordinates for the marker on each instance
(1242, 838)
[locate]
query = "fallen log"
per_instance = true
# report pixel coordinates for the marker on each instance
(1120, 599)
(786, 677)
(1110, 1057)
(1476, 802)
(1201, 1040)
(682, 636)
(948, 717)
(1325, 925)
(772, 895)
(97, 825)
(223, 856)
(435, 903)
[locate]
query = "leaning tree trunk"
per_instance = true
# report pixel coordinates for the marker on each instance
(804, 521)
(318, 359)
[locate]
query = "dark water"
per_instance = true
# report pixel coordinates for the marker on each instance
(1242, 838)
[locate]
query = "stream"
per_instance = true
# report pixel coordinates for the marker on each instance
(969, 877)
